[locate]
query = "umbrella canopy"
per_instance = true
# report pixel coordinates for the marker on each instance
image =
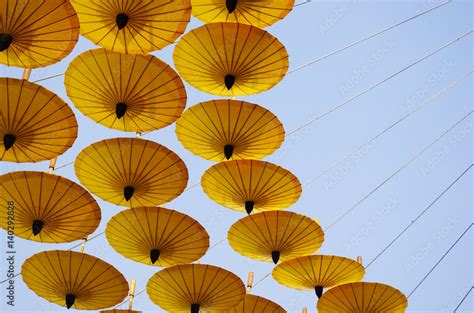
(120, 311)
(47, 208)
(318, 272)
(230, 59)
(252, 303)
(363, 297)
(228, 129)
(35, 124)
(36, 33)
(157, 236)
(195, 288)
(74, 279)
(136, 93)
(133, 27)
(131, 172)
(261, 13)
(251, 185)
(275, 235)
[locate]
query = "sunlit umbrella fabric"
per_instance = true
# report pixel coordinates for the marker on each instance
(35, 124)
(136, 93)
(219, 130)
(131, 172)
(230, 59)
(36, 33)
(47, 208)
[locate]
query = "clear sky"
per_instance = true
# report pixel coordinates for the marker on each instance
(310, 31)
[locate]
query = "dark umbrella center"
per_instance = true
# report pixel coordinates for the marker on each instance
(120, 109)
(249, 206)
(319, 291)
(37, 227)
(195, 308)
(154, 255)
(5, 41)
(128, 192)
(70, 298)
(9, 140)
(231, 5)
(228, 151)
(275, 256)
(229, 81)
(121, 20)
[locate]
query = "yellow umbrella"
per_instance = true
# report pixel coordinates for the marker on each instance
(247, 185)
(131, 172)
(36, 33)
(120, 311)
(261, 13)
(35, 124)
(227, 129)
(157, 236)
(74, 279)
(318, 272)
(196, 288)
(135, 27)
(252, 303)
(47, 208)
(230, 59)
(363, 297)
(275, 235)
(135, 93)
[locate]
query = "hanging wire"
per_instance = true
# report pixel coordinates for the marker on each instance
(340, 105)
(464, 298)
(372, 139)
(368, 37)
(420, 215)
(439, 261)
(405, 165)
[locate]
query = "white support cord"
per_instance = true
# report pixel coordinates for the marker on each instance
(369, 37)
(372, 139)
(405, 165)
(340, 105)
(419, 216)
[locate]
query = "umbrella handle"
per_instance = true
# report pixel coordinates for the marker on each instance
(26, 73)
(249, 282)
(131, 294)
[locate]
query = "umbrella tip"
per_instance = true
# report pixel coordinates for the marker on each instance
(249, 206)
(5, 41)
(275, 256)
(154, 255)
(319, 291)
(70, 298)
(9, 141)
(195, 308)
(231, 5)
(120, 109)
(121, 20)
(37, 227)
(128, 192)
(229, 81)
(228, 151)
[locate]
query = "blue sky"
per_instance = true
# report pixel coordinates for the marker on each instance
(310, 31)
